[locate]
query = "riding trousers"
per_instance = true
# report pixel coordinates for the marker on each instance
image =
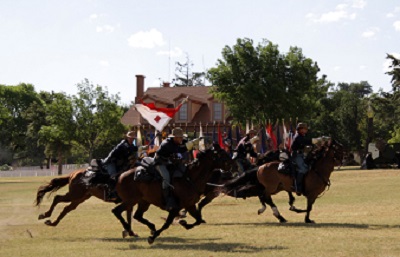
(111, 169)
(302, 167)
(242, 164)
(163, 171)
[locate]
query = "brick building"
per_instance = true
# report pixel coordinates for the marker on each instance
(201, 108)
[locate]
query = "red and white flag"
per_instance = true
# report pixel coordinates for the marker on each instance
(156, 116)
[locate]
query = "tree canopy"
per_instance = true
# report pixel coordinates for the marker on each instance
(259, 82)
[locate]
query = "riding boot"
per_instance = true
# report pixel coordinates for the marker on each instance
(299, 183)
(169, 200)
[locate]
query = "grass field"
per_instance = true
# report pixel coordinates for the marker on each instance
(358, 216)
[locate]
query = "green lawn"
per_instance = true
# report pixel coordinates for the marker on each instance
(358, 216)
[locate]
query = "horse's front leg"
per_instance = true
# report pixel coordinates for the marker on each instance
(117, 211)
(142, 208)
(196, 215)
(171, 216)
(310, 202)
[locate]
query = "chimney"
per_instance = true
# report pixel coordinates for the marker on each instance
(166, 84)
(139, 87)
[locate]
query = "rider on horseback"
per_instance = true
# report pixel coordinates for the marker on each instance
(298, 146)
(244, 147)
(119, 159)
(170, 146)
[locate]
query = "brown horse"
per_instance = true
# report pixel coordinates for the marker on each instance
(315, 181)
(187, 190)
(77, 194)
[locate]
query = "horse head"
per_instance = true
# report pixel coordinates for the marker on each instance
(217, 157)
(329, 151)
(337, 151)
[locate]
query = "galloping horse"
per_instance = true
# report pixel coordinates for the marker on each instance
(315, 181)
(219, 177)
(77, 194)
(187, 190)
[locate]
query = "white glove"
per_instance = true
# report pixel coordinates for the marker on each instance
(189, 145)
(325, 139)
(142, 148)
(196, 141)
(316, 141)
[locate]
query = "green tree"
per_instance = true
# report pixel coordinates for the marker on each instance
(58, 135)
(97, 116)
(342, 114)
(394, 72)
(259, 82)
(14, 101)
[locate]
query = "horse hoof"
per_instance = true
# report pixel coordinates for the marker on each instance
(183, 222)
(150, 240)
(152, 232)
(282, 221)
(133, 234)
(41, 216)
(124, 234)
(48, 223)
(310, 221)
(203, 221)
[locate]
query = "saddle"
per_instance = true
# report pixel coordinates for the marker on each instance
(287, 167)
(147, 172)
(96, 165)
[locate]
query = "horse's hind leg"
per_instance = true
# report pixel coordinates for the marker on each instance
(264, 206)
(72, 206)
(196, 215)
(171, 215)
(142, 208)
(268, 200)
(57, 199)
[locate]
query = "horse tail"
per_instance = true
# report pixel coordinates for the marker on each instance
(244, 182)
(51, 187)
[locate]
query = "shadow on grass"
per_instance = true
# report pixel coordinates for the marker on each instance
(182, 244)
(312, 225)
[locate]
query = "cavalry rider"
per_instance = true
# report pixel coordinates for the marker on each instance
(299, 143)
(119, 159)
(168, 148)
(244, 147)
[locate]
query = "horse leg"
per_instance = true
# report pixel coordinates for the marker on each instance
(268, 200)
(117, 211)
(72, 206)
(57, 199)
(196, 215)
(171, 215)
(206, 200)
(129, 232)
(264, 206)
(291, 204)
(142, 208)
(310, 202)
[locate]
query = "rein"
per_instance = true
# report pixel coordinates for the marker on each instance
(327, 182)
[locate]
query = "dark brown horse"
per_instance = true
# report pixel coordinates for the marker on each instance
(219, 177)
(187, 190)
(315, 181)
(77, 193)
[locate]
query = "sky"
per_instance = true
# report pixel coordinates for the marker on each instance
(55, 45)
